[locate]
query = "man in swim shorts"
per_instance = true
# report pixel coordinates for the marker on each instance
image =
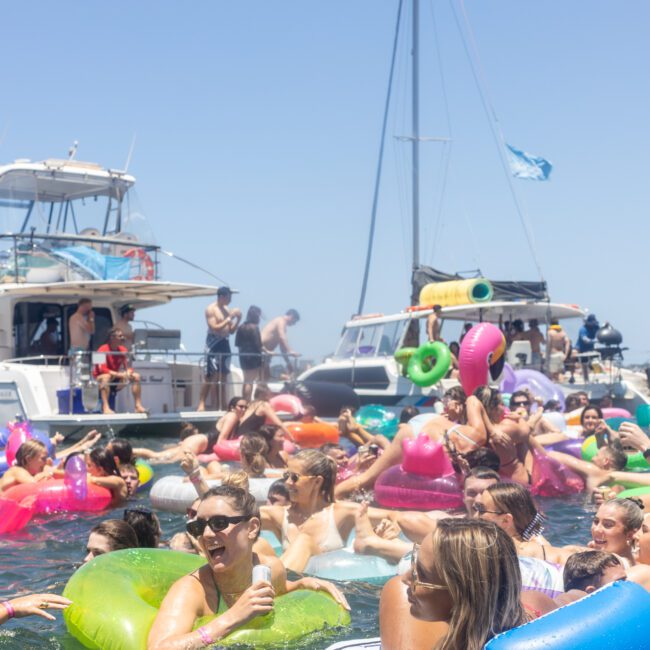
(274, 334)
(434, 324)
(222, 322)
(559, 347)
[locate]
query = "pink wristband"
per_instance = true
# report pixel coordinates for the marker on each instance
(195, 479)
(9, 607)
(205, 636)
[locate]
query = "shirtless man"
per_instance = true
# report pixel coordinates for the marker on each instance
(274, 334)
(434, 323)
(536, 339)
(559, 347)
(222, 322)
(127, 314)
(81, 326)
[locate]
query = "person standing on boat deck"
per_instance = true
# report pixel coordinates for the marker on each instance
(48, 343)
(434, 323)
(586, 341)
(127, 314)
(558, 347)
(536, 339)
(222, 322)
(115, 373)
(81, 326)
(274, 334)
(249, 342)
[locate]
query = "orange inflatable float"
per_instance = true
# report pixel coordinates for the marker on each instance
(311, 435)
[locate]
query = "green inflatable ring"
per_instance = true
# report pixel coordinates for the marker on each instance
(635, 462)
(634, 492)
(419, 371)
(403, 356)
(116, 598)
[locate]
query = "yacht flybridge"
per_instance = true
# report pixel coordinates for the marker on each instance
(73, 230)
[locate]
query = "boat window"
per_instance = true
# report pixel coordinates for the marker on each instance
(376, 340)
(41, 328)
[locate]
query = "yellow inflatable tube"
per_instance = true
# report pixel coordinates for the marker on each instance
(456, 292)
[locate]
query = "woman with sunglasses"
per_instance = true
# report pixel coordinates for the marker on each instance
(226, 527)
(314, 522)
(511, 507)
(452, 424)
(465, 583)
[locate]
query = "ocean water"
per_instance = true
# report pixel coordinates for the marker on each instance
(45, 554)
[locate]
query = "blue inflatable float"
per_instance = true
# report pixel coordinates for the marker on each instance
(615, 616)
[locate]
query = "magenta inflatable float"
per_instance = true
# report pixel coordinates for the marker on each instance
(482, 356)
(424, 481)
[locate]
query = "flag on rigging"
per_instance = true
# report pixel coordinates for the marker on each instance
(525, 165)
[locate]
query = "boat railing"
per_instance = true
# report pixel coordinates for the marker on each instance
(185, 386)
(43, 258)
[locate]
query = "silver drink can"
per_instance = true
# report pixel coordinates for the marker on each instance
(261, 573)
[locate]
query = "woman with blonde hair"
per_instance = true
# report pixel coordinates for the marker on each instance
(466, 576)
(31, 466)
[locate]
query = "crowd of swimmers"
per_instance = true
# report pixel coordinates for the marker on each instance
(461, 581)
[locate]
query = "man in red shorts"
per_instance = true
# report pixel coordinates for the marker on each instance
(115, 373)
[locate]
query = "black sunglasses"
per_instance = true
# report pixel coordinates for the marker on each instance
(480, 509)
(196, 528)
(526, 403)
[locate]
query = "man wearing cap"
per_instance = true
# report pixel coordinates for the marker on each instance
(222, 322)
(127, 314)
(586, 341)
(274, 334)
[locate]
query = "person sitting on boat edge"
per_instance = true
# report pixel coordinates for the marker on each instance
(274, 334)
(222, 322)
(115, 373)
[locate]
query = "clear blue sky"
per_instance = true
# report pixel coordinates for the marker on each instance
(258, 126)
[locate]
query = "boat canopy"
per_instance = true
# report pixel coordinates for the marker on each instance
(139, 293)
(56, 181)
(517, 290)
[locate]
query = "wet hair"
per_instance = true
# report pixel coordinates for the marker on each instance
(571, 402)
(478, 564)
(233, 402)
(123, 449)
(253, 315)
(489, 397)
(631, 511)
(119, 534)
(28, 450)
(146, 526)
(483, 457)
(585, 569)
(617, 455)
(518, 393)
(238, 478)
(278, 488)
(590, 407)
(240, 500)
(407, 413)
(254, 449)
(483, 473)
(316, 463)
(457, 394)
(552, 405)
(128, 467)
(515, 499)
(103, 458)
(187, 430)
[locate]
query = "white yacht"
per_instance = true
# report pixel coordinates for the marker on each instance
(72, 230)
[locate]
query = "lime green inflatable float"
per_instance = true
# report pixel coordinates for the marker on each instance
(116, 598)
(635, 462)
(420, 372)
(634, 492)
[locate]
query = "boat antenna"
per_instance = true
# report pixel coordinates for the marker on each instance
(72, 151)
(375, 197)
(128, 157)
(195, 266)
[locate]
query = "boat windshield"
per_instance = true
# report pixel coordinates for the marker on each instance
(377, 340)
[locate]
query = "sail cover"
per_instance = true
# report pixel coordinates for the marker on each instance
(502, 290)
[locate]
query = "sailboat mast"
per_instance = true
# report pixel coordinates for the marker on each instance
(415, 144)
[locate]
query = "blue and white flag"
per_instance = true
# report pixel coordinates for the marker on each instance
(525, 165)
